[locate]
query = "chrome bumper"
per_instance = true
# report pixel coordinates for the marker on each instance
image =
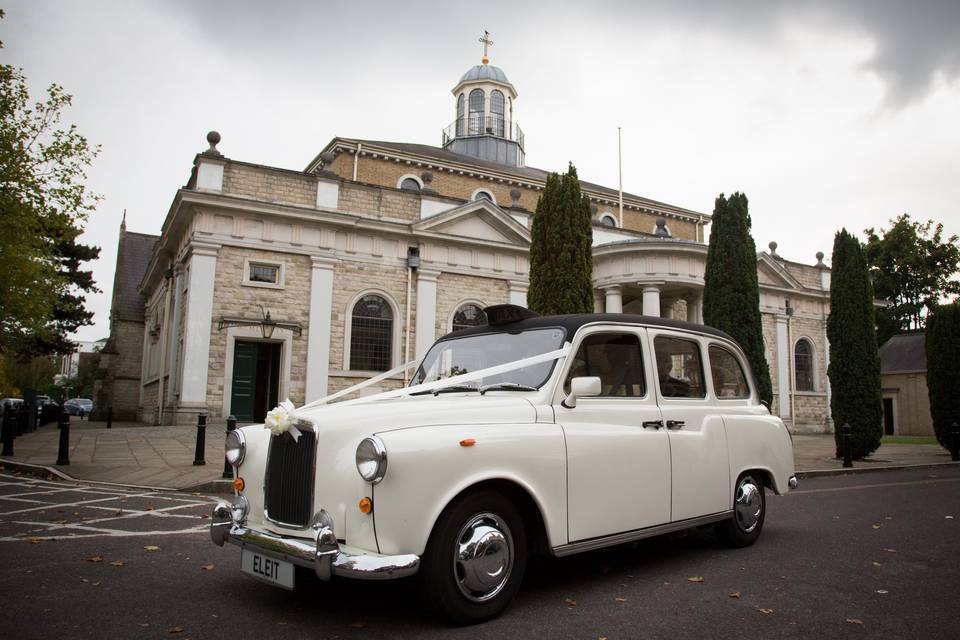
(322, 554)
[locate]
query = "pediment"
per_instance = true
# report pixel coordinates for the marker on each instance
(772, 274)
(479, 220)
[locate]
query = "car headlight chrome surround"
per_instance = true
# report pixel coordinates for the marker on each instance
(235, 447)
(372, 459)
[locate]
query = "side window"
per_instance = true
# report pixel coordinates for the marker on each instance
(616, 359)
(679, 369)
(728, 378)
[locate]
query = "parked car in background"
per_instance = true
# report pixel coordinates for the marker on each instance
(554, 435)
(78, 406)
(13, 403)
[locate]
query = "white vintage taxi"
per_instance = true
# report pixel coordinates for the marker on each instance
(528, 434)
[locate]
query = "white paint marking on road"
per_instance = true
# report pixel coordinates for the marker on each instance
(103, 533)
(68, 504)
(27, 500)
(874, 486)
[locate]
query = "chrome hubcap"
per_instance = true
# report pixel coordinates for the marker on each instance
(483, 556)
(748, 505)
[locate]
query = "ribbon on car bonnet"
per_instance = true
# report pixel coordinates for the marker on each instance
(436, 384)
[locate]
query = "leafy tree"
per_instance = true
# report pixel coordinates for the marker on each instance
(43, 205)
(943, 369)
(561, 260)
(854, 358)
(731, 295)
(912, 267)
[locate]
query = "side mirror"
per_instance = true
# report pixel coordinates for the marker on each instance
(583, 387)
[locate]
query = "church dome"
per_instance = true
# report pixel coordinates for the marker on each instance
(484, 72)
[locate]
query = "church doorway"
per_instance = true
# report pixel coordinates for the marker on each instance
(256, 379)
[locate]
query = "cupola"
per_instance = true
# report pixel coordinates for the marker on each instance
(484, 125)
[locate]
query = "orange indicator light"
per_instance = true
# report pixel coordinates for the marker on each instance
(239, 485)
(366, 505)
(468, 442)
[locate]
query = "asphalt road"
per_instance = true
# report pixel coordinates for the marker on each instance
(867, 556)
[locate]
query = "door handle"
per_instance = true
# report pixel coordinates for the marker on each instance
(652, 424)
(675, 424)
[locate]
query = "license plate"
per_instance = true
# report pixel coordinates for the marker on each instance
(265, 568)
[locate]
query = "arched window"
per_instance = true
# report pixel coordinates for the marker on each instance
(496, 112)
(608, 220)
(371, 334)
(460, 115)
(803, 365)
(485, 195)
(475, 123)
(410, 184)
(468, 315)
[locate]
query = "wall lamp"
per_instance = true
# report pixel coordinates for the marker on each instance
(266, 323)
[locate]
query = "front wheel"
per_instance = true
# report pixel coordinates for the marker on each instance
(474, 562)
(749, 510)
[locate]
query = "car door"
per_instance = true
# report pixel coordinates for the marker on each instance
(618, 454)
(700, 468)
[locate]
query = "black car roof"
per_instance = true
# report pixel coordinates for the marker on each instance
(572, 323)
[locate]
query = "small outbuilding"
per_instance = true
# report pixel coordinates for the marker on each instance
(903, 376)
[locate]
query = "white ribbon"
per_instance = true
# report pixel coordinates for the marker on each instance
(438, 384)
(281, 420)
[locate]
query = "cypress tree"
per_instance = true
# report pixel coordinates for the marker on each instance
(561, 260)
(854, 358)
(943, 369)
(731, 295)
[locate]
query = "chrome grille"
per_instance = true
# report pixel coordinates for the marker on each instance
(288, 485)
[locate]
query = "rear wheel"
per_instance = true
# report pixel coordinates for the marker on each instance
(474, 562)
(749, 510)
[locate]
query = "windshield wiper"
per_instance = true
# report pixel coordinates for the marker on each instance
(455, 387)
(506, 386)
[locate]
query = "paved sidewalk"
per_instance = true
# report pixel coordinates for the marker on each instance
(162, 457)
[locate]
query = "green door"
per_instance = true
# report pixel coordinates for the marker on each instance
(243, 392)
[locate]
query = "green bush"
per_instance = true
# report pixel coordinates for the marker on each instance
(943, 369)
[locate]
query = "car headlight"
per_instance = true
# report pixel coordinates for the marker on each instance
(372, 459)
(235, 448)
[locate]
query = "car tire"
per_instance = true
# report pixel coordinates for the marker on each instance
(749, 511)
(475, 558)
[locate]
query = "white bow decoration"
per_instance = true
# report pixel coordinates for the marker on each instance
(280, 420)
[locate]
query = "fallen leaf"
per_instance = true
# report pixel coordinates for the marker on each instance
(948, 517)
(601, 637)
(570, 602)
(888, 517)
(877, 526)
(204, 516)
(735, 594)
(882, 591)
(207, 567)
(150, 507)
(96, 584)
(359, 624)
(890, 550)
(95, 559)
(118, 563)
(152, 547)
(119, 513)
(766, 611)
(144, 624)
(876, 564)
(854, 620)
(620, 599)
(695, 579)
(175, 630)
(84, 580)
(34, 540)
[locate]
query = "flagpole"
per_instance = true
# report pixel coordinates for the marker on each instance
(620, 170)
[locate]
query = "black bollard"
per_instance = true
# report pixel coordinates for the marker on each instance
(109, 417)
(21, 420)
(201, 440)
(7, 430)
(227, 467)
(63, 455)
(955, 441)
(847, 453)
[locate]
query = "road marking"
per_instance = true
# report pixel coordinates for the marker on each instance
(874, 486)
(99, 533)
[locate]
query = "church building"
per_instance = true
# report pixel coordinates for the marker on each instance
(268, 283)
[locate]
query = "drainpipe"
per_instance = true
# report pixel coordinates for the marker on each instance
(790, 366)
(413, 261)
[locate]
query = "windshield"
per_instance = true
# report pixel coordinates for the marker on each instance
(472, 353)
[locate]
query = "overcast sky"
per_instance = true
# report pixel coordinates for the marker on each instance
(827, 114)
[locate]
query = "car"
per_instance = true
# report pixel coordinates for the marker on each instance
(555, 434)
(13, 403)
(78, 406)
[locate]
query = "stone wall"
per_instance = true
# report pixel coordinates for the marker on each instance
(118, 383)
(268, 184)
(454, 289)
(379, 202)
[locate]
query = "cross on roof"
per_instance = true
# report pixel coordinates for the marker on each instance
(485, 39)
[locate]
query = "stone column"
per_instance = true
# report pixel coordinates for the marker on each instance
(426, 311)
(783, 368)
(199, 322)
(614, 299)
(318, 337)
(695, 308)
(518, 293)
(651, 300)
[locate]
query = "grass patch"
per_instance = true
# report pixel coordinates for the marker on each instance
(908, 440)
